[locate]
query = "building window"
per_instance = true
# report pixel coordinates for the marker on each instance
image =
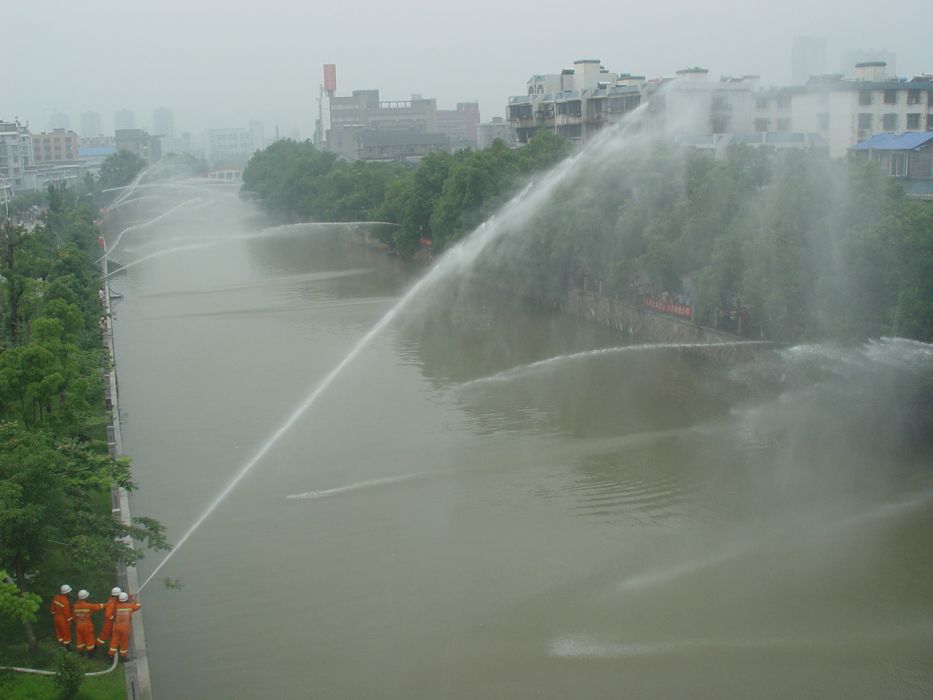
(762, 124)
(822, 120)
(864, 121)
(930, 122)
(761, 103)
(913, 122)
(890, 97)
(719, 123)
(899, 164)
(889, 122)
(914, 97)
(864, 97)
(720, 103)
(783, 124)
(783, 102)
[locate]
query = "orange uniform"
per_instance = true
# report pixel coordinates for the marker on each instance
(109, 608)
(84, 625)
(62, 616)
(123, 626)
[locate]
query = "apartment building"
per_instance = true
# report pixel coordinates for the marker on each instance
(579, 102)
(846, 111)
(56, 145)
(575, 103)
(16, 154)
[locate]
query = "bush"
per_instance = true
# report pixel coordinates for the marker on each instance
(69, 675)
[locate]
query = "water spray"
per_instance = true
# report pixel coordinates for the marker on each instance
(513, 215)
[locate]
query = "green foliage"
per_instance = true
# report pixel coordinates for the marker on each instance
(55, 472)
(19, 606)
(446, 196)
(68, 675)
(810, 247)
(119, 169)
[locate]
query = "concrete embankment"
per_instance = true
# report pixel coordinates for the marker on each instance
(136, 671)
(645, 325)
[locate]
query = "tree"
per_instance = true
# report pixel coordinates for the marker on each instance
(20, 261)
(119, 169)
(46, 503)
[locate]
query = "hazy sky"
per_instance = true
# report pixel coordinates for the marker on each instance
(222, 63)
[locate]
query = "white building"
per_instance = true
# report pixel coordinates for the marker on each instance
(229, 146)
(498, 128)
(692, 105)
(16, 155)
(575, 103)
(846, 111)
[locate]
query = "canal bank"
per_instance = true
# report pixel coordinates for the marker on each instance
(136, 671)
(643, 324)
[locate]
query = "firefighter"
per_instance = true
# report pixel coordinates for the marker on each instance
(123, 625)
(84, 625)
(62, 616)
(109, 607)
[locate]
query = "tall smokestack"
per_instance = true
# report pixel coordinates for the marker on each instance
(330, 78)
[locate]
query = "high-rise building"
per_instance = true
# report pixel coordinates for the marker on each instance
(90, 125)
(124, 119)
(808, 57)
(163, 122)
(59, 120)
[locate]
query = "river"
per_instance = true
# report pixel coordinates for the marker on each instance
(493, 500)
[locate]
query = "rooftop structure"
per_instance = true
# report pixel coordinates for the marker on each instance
(907, 156)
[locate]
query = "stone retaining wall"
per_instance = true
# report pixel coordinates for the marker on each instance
(136, 671)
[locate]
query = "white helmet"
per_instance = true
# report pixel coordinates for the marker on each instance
(66, 589)
(115, 591)
(124, 597)
(83, 594)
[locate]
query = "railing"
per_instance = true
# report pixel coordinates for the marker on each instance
(665, 307)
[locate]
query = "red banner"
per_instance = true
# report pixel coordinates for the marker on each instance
(665, 307)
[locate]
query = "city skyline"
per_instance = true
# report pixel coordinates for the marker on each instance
(265, 62)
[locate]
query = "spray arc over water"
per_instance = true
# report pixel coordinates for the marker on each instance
(513, 216)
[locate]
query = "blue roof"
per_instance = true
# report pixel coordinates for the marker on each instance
(909, 141)
(86, 151)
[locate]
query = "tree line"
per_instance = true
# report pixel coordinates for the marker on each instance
(55, 471)
(814, 248)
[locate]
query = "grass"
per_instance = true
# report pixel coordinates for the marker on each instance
(25, 686)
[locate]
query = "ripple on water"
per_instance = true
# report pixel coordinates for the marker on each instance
(619, 486)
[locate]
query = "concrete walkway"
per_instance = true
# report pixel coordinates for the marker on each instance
(136, 670)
